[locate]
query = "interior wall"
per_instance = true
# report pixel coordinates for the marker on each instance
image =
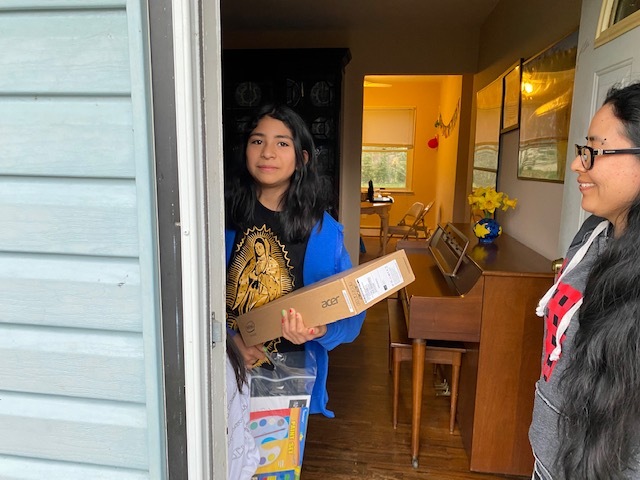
(425, 97)
(513, 30)
(460, 204)
(521, 30)
(449, 108)
(428, 51)
(536, 220)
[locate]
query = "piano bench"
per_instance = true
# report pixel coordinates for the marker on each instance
(436, 352)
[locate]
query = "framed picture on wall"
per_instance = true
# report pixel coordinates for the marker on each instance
(545, 111)
(511, 98)
(485, 149)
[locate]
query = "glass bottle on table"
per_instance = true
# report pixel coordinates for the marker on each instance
(370, 191)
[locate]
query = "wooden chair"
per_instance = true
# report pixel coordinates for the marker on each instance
(437, 353)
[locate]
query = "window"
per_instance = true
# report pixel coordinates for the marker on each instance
(388, 167)
(616, 18)
(485, 152)
(387, 147)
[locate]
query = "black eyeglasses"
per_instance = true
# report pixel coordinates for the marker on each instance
(588, 154)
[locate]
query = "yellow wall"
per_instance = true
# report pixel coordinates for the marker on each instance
(433, 169)
(450, 94)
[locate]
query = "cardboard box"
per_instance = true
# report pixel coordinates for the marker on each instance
(334, 298)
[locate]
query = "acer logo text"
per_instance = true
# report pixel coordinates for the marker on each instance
(329, 302)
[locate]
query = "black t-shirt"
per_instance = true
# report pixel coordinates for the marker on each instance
(262, 268)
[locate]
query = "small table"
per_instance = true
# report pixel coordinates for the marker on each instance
(382, 210)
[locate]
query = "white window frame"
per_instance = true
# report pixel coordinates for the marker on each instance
(409, 173)
(380, 136)
(606, 32)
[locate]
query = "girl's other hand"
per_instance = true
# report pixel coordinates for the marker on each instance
(294, 329)
(251, 355)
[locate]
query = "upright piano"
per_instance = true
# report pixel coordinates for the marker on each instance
(484, 296)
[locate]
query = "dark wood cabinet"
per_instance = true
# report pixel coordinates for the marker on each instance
(307, 80)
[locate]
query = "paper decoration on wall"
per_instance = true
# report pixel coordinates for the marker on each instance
(446, 128)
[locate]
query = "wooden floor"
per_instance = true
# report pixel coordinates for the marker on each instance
(360, 443)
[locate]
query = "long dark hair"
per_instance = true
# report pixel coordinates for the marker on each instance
(237, 363)
(600, 420)
(307, 197)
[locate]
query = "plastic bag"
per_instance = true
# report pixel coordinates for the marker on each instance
(279, 411)
(293, 374)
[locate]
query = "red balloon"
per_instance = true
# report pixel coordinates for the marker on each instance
(433, 143)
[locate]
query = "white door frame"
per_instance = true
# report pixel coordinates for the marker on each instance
(198, 74)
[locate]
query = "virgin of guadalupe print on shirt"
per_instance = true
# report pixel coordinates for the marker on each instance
(259, 271)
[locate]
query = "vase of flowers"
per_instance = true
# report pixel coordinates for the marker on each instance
(484, 202)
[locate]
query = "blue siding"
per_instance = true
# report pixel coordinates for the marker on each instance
(71, 52)
(72, 363)
(61, 428)
(81, 137)
(80, 386)
(69, 216)
(63, 283)
(16, 468)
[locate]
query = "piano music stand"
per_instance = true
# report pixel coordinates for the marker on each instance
(448, 246)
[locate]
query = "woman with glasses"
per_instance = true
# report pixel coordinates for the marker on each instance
(586, 418)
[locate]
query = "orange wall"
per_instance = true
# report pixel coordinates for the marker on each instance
(448, 148)
(424, 97)
(433, 169)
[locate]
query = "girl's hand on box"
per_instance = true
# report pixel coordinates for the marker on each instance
(294, 329)
(251, 355)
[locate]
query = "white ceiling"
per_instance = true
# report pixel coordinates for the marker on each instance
(337, 15)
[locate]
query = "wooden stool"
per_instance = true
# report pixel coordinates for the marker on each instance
(437, 352)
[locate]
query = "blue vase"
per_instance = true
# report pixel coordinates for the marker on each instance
(487, 230)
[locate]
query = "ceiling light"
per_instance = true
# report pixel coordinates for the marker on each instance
(367, 83)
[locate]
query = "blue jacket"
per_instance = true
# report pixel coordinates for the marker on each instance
(324, 244)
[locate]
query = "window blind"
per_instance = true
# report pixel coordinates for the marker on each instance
(389, 126)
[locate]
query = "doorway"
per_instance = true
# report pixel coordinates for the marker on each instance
(424, 154)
